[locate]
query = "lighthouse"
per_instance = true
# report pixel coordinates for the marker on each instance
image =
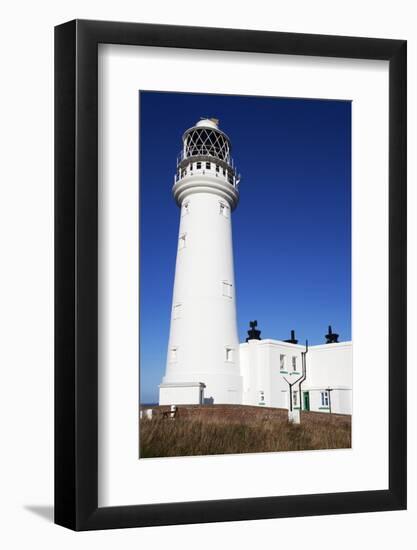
(203, 349)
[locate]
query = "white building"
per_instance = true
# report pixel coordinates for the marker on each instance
(203, 369)
(320, 376)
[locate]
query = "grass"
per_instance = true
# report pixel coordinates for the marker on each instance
(207, 431)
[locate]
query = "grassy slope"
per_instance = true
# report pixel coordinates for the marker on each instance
(222, 429)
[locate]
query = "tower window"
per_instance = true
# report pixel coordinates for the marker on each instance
(217, 168)
(227, 289)
(294, 363)
(186, 208)
(182, 241)
(198, 165)
(229, 354)
(174, 355)
(224, 211)
(190, 166)
(176, 314)
(324, 398)
(281, 362)
(224, 171)
(208, 165)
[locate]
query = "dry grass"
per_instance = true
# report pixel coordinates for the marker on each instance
(234, 429)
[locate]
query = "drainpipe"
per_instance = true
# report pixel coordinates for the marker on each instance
(304, 376)
(290, 385)
(300, 380)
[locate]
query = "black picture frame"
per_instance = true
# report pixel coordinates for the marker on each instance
(76, 272)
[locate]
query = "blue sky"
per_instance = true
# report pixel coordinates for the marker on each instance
(291, 229)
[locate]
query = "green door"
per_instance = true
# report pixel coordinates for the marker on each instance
(306, 397)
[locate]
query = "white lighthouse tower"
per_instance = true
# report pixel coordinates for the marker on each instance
(203, 349)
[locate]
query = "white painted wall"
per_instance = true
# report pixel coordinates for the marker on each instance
(260, 369)
(181, 394)
(203, 343)
(328, 366)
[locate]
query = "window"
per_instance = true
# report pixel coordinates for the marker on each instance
(174, 355)
(185, 208)
(190, 166)
(229, 354)
(294, 363)
(217, 168)
(198, 165)
(294, 398)
(176, 314)
(227, 289)
(208, 165)
(181, 242)
(281, 362)
(262, 396)
(324, 398)
(224, 171)
(224, 210)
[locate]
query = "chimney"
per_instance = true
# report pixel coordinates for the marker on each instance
(253, 332)
(292, 340)
(331, 337)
